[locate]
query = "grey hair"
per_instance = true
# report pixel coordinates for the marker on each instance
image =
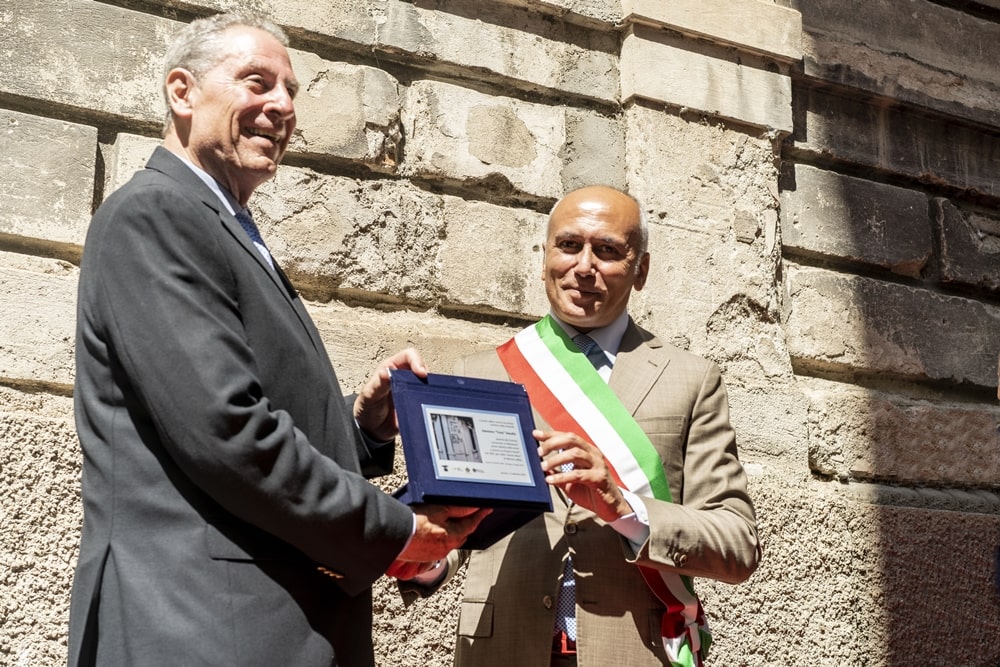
(198, 46)
(643, 224)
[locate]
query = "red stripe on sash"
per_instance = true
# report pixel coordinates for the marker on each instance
(542, 399)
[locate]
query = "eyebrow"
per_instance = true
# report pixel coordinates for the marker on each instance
(610, 240)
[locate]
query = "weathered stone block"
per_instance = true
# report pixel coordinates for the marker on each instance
(369, 239)
(38, 299)
(919, 52)
(969, 245)
(892, 138)
(491, 258)
(346, 111)
(594, 151)
(48, 185)
(836, 217)
(62, 57)
(537, 54)
(751, 25)
(880, 436)
(770, 420)
(844, 576)
(128, 154)
(854, 324)
(461, 135)
(541, 54)
(929, 559)
(702, 178)
(661, 67)
(603, 11)
(710, 196)
(359, 338)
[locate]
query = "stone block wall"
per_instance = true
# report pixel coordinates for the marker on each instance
(820, 179)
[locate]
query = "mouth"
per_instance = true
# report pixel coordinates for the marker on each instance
(273, 137)
(582, 292)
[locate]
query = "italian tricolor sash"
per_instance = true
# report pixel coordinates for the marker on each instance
(569, 394)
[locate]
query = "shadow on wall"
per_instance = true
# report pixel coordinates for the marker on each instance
(899, 355)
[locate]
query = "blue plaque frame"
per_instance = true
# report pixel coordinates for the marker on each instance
(484, 457)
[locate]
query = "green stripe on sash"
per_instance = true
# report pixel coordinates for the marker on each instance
(607, 403)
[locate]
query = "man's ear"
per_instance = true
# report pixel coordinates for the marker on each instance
(641, 272)
(180, 86)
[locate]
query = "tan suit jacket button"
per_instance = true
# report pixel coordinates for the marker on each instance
(681, 560)
(547, 602)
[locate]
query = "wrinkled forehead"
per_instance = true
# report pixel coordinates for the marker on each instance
(595, 219)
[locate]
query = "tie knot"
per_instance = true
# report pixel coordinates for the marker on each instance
(591, 350)
(584, 342)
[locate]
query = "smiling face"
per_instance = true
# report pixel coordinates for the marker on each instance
(235, 120)
(593, 256)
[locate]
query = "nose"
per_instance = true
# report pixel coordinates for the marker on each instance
(585, 260)
(281, 102)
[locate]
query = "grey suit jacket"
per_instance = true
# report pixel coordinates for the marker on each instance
(509, 602)
(227, 520)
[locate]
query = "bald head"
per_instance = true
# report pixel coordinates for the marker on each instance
(595, 255)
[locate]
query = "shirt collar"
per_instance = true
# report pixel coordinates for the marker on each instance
(227, 199)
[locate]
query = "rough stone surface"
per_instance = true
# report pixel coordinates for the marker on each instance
(451, 133)
(41, 518)
(542, 55)
(38, 299)
(889, 138)
(876, 435)
(841, 322)
(47, 190)
(659, 67)
(128, 154)
(933, 55)
(710, 199)
(751, 25)
(348, 111)
(970, 246)
(838, 218)
(62, 57)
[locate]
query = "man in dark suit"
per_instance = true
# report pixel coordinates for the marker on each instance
(227, 518)
(647, 487)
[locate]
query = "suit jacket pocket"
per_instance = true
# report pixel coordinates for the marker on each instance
(231, 542)
(662, 425)
(668, 433)
(476, 619)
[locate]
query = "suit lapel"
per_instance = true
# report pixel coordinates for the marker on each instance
(275, 275)
(166, 162)
(638, 365)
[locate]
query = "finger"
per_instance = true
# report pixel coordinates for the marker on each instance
(409, 359)
(468, 524)
(440, 513)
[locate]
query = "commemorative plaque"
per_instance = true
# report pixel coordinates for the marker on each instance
(467, 442)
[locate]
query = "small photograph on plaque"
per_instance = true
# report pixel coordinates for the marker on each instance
(467, 441)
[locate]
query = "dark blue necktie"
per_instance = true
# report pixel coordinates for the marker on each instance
(250, 227)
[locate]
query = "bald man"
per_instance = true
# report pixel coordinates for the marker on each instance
(646, 484)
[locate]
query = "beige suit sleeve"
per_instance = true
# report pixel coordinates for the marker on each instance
(709, 530)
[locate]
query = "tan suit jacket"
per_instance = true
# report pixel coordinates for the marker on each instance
(509, 603)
